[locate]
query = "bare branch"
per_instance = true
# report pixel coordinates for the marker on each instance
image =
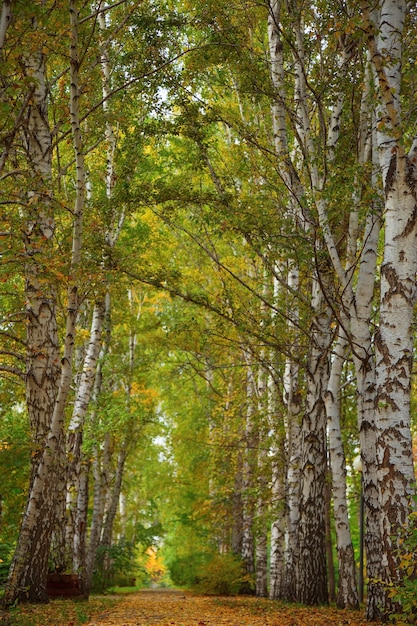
(14, 371)
(8, 140)
(15, 355)
(99, 10)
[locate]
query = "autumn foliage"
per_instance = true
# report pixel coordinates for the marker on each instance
(178, 609)
(174, 608)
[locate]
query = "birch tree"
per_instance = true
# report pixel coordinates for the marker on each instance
(347, 595)
(312, 560)
(394, 341)
(75, 468)
(27, 578)
(28, 573)
(99, 470)
(78, 467)
(249, 471)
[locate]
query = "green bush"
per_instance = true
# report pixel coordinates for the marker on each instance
(115, 563)
(223, 575)
(183, 570)
(6, 554)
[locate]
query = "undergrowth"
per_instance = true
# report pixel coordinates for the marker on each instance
(58, 612)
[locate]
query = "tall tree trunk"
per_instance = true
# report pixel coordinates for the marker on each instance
(5, 19)
(329, 542)
(360, 306)
(43, 357)
(99, 470)
(100, 473)
(394, 354)
(293, 508)
(101, 488)
(293, 404)
(80, 525)
(110, 513)
(278, 510)
(27, 578)
(263, 493)
(312, 556)
(248, 473)
(347, 595)
(394, 339)
(363, 359)
(297, 213)
(237, 509)
(278, 474)
(75, 434)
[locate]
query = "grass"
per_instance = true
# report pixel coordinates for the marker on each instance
(123, 590)
(60, 612)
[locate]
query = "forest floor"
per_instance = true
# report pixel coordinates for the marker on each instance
(174, 608)
(164, 607)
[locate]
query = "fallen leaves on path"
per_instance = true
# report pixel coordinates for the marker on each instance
(170, 608)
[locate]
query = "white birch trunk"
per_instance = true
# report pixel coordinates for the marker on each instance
(76, 426)
(100, 474)
(100, 491)
(99, 470)
(277, 427)
(263, 480)
(358, 306)
(312, 580)
(361, 307)
(110, 512)
(394, 353)
(277, 560)
(291, 379)
(353, 304)
(293, 404)
(5, 19)
(261, 553)
(306, 147)
(80, 181)
(347, 595)
(248, 473)
(113, 501)
(312, 549)
(40, 511)
(394, 340)
(27, 576)
(72, 293)
(75, 436)
(80, 525)
(293, 508)
(237, 508)
(117, 216)
(123, 516)
(278, 499)
(39, 515)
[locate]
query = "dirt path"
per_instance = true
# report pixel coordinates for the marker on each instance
(173, 608)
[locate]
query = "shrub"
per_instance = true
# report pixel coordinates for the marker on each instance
(115, 562)
(183, 570)
(6, 553)
(223, 575)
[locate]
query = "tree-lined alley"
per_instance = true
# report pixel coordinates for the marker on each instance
(208, 292)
